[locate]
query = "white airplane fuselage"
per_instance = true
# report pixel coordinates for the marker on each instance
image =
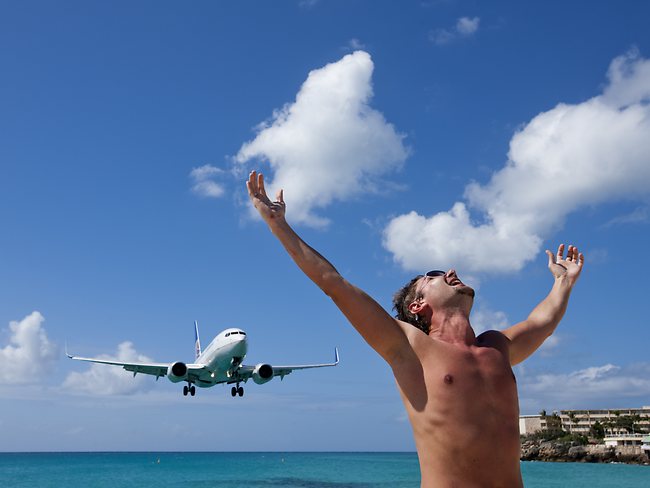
(222, 357)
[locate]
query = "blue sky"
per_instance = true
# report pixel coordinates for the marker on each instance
(407, 136)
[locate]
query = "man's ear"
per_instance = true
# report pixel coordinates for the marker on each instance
(415, 307)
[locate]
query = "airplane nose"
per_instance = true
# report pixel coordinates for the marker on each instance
(240, 345)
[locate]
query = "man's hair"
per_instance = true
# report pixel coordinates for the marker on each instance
(401, 301)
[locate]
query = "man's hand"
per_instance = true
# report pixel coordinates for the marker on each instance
(569, 267)
(271, 212)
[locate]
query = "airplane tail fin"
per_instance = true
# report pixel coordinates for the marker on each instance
(197, 343)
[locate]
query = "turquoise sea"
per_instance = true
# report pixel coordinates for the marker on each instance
(273, 469)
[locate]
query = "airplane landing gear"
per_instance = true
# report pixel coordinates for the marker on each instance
(189, 388)
(237, 390)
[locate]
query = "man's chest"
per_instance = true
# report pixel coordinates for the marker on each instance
(476, 370)
(445, 376)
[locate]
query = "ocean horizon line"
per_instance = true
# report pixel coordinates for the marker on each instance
(146, 451)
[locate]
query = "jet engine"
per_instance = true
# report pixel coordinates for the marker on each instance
(262, 373)
(177, 372)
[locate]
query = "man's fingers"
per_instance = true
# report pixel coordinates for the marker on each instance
(251, 184)
(255, 186)
(578, 257)
(260, 185)
(257, 191)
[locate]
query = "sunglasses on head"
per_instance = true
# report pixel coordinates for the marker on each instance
(434, 273)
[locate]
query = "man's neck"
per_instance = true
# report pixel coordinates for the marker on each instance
(452, 326)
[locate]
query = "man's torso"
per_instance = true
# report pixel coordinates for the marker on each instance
(462, 403)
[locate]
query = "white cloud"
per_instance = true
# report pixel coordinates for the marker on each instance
(465, 27)
(567, 158)
(204, 172)
(29, 356)
(208, 189)
(355, 44)
(638, 215)
(203, 181)
(484, 319)
(441, 36)
(105, 379)
(609, 383)
(628, 80)
(329, 144)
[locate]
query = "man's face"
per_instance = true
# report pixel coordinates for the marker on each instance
(445, 290)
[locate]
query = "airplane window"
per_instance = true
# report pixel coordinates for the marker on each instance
(243, 333)
(234, 332)
(227, 334)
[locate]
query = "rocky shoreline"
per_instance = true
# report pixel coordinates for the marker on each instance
(558, 451)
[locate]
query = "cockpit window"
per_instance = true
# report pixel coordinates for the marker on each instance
(227, 334)
(235, 332)
(243, 333)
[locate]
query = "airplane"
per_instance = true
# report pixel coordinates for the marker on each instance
(220, 362)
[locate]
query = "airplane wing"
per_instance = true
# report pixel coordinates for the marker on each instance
(155, 369)
(281, 371)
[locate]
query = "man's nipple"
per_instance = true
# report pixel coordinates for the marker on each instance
(449, 379)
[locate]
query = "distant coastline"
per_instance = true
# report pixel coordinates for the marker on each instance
(574, 452)
(587, 436)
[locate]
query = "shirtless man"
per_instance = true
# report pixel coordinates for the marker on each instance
(458, 389)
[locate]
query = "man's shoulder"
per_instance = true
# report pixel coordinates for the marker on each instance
(417, 341)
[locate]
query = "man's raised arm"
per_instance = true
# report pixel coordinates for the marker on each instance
(381, 331)
(526, 337)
